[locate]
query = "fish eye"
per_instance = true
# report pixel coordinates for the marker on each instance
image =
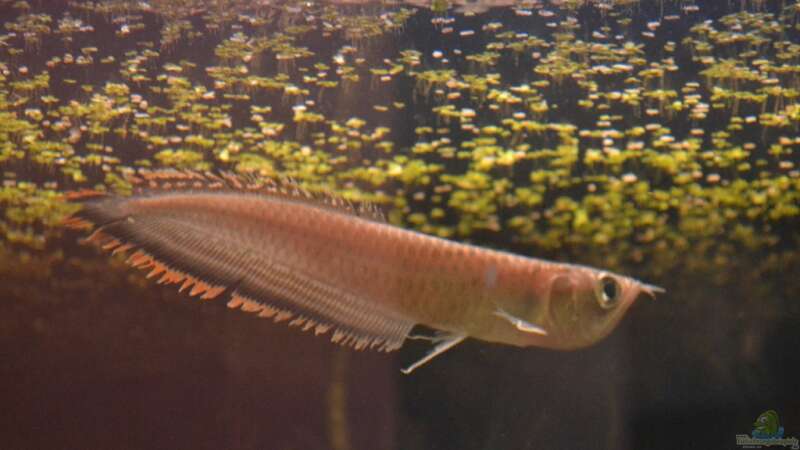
(608, 292)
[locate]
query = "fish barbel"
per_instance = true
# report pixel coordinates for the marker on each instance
(322, 264)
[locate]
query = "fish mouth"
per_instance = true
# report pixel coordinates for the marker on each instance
(651, 290)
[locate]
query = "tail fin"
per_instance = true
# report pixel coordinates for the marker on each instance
(98, 208)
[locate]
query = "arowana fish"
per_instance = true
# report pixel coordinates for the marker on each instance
(324, 265)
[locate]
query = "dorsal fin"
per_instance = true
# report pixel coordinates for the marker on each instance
(75, 222)
(83, 195)
(152, 182)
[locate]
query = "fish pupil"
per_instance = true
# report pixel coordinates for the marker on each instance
(609, 292)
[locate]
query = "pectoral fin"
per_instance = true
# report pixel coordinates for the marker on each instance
(521, 325)
(446, 343)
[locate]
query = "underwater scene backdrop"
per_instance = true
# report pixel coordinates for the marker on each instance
(655, 138)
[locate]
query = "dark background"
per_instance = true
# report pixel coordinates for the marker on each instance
(95, 356)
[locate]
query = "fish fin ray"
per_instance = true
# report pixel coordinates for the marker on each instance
(147, 182)
(203, 265)
(447, 342)
(357, 322)
(340, 334)
(520, 324)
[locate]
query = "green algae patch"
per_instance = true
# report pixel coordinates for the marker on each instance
(546, 132)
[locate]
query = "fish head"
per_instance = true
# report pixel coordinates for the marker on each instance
(767, 422)
(586, 304)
